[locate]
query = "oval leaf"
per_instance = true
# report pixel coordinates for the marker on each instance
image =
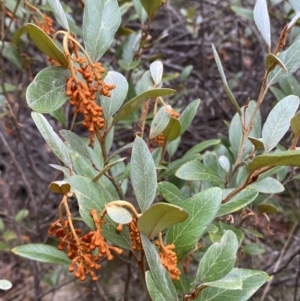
(47, 91)
(153, 291)
(187, 116)
(112, 104)
(245, 197)
(287, 158)
(172, 131)
(59, 13)
(44, 43)
(137, 101)
(156, 70)
(202, 209)
(52, 139)
(159, 274)
(151, 6)
(262, 20)
(170, 193)
(119, 214)
(196, 171)
(43, 253)
(159, 122)
(159, 217)
(278, 121)
(143, 174)
(219, 259)
(101, 20)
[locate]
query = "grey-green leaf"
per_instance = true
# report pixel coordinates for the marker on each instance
(118, 214)
(245, 197)
(268, 185)
(42, 252)
(252, 280)
(170, 193)
(196, 171)
(112, 104)
(52, 139)
(224, 80)
(76, 143)
(278, 121)
(156, 70)
(101, 20)
(290, 59)
(187, 116)
(143, 174)
(219, 259)
(47, 92)
(202, 209)
(59, 13)
(262, 20)
(159, 274)
(154, 292)
(159, 122)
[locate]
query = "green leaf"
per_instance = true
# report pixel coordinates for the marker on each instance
(59, 13)
(61, 187)
(119, 214)
(47, 91)
(6, 285)
(22, 214)
(224, 163)
(224, 80)
(198, 148)
(17, 35)
(143, 174)
(159, 217)
(129, 145)
(230, 282)
(52, 139)
(76, 143)
(153, 291)
(216, 235)
(137, 101)
(286, 158)
(101, 20)
(112, 104)
(202, 209)
(243, 12)
(106, 168)
(257, 143)
(254, 249)
(272, 61)
(295, 5)
(187, 116)
(89, 195)
(294, 20)
(252, 281)
(235, 129)
(295, 124)
(245, 197)
(172, 131)
(128, 65)
(196, 171)
(219, 259)
(172, 146)
(42, 253)
(44, 43)
(151, 6)
(268, 185)
(278, 121)
(159, 122)
(170, 193)
(290, 58)
(140, 10)
(159, 274)
(262, 20)
(60, 116)
(156, 70)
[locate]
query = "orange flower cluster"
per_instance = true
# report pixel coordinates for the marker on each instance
(169, 259)
(135, 235)
(83, 94)
(46, 25)
(80, 248)
(174, 114)
(160, 140)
